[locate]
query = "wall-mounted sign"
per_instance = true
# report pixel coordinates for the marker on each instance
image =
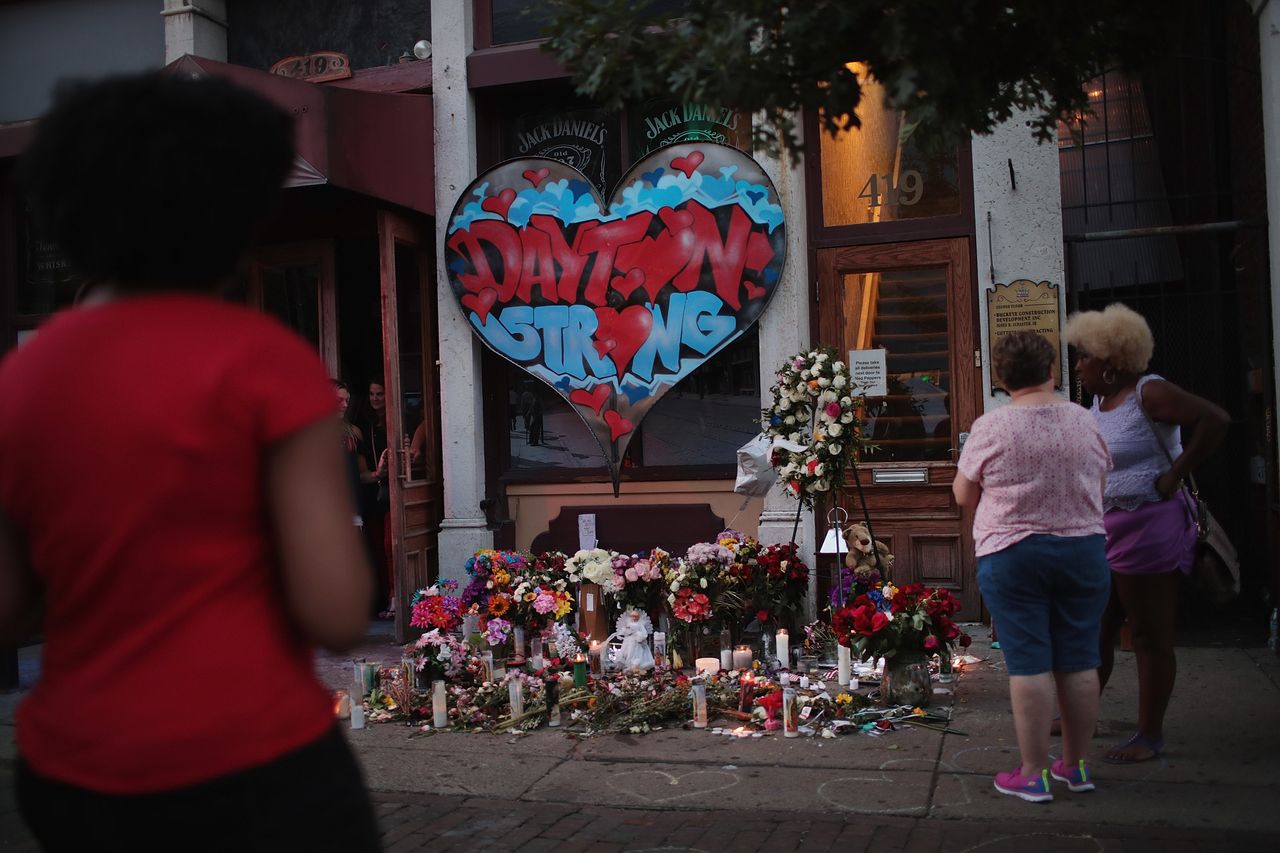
(314, 67)
(1023, 306)
(612, 303)
(578, 139)
(665, 122)
(868, 368)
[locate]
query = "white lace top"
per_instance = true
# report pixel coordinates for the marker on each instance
(1136, 455)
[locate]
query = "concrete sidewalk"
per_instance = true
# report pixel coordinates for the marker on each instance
(1216, 786)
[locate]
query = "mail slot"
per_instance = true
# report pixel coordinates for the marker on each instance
(899, 476)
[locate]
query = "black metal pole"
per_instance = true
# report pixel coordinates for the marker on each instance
(866, 517)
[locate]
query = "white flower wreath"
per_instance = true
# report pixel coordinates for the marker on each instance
(813, 423)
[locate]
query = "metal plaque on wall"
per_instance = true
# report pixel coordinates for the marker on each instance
(1023, 306)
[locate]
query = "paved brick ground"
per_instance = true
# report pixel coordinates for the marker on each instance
(436, 823)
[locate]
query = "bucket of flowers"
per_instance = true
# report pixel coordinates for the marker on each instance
(541, 593)
(904, 625)
(438, 606)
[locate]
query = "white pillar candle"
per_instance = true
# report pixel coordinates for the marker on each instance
(515, 691)
(846, 659)
(853, 682)
(804, 681)
(535, 654)
(726, 658)
(707, 666)
(519, 642)
(742, 657)
(357, 714)
(439, 705)
(783, 641)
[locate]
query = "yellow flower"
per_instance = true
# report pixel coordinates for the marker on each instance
(819, 435)
(501, 578)
(843, 699)
(529, 596)
(917, 712)
(889, 590)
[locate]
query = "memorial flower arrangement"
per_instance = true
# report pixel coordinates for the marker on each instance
(436, 607)
(813, 423)
(490, 588)
(639, 580)
(541, 593)
(439, 655)
(767, 583)
(899, 622)
(594, 565)
(695, 581)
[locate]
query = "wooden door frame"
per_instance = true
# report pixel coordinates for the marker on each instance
(394, 228)
(286, 254)
(955, 254)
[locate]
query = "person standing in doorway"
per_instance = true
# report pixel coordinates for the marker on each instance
(206, 545)
(1151, 522)
(1034, 471)
(376, 493)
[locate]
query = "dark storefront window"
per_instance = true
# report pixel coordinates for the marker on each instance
(47, 281)
(523, 20)
(371, 33)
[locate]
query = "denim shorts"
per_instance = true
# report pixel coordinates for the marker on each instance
(1046, 595)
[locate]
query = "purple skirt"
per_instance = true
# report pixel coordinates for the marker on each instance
(1159, 536)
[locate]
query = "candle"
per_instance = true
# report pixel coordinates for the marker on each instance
(439, 706)
(783, 641)
(486, 660)
(804, 681)
(726, 658)
(535, 654)
(360, 681)
(707, 666)
(790, 713)
(746, 694)
(597, 658)
(552, 694)
(515, 692)
(341, 704)
(659, 649)
(853, 682)
(846, 658)
(580, 670)
(499, 669)
(519, 642)
(357, 714)
(699, 692)
(741, 657)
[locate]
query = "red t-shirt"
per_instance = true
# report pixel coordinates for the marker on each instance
(132, 443)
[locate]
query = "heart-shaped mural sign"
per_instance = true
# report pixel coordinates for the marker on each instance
(613, 304)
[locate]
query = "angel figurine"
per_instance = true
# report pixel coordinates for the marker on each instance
(634, 629)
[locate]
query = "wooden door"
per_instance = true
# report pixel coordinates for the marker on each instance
(915, 300)
(294, 282)
(413, 410)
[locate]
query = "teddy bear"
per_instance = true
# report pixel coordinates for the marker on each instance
(861, 558)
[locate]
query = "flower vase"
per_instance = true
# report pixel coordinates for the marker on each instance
(906, 682)
(519, 636)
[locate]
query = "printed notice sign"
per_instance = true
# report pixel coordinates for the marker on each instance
(1024, 306)
(586, 531)
(870, 372)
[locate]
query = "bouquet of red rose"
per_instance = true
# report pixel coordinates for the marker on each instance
(908, 622)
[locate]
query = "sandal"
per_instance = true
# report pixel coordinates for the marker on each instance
(1155, 747)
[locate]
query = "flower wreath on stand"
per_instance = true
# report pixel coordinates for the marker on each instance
(813, 424)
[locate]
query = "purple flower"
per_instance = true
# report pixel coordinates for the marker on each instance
(497, 631)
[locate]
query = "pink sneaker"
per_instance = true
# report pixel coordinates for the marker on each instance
(1078, 778)
(1033, 789)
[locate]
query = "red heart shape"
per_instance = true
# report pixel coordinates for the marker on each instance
(500, 203)
(595, 398)
(689, 164)
(537, 177)
(480, 302)
(754, 291)
(618, 425)
(675, 220)
(626, 284)
(621, 333)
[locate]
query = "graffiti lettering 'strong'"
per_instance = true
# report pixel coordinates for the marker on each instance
(612, 305)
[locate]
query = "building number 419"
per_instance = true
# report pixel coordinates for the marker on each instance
(880, 189)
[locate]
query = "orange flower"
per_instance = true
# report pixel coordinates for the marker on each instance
(499, 605)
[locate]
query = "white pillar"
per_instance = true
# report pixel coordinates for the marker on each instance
(1269, 55)
(784, 331)
(196, 27)
(463, 531)
(1025, 229)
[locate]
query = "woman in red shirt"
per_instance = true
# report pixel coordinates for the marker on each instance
(198, 543)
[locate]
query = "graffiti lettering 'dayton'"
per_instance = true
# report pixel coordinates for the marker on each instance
(611, 306)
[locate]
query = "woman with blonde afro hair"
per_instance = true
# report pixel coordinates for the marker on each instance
(1150, 520)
